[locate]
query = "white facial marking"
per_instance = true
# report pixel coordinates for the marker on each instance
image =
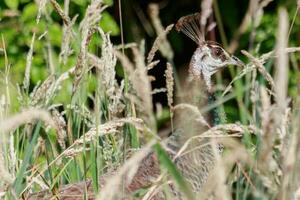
(204, 63)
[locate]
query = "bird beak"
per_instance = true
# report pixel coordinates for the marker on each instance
(236, 61)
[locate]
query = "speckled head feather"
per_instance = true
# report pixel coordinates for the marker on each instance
(209, 57)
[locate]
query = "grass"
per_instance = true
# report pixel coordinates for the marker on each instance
(106, 124)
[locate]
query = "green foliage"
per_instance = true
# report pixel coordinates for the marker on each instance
(29, 12)
(108, 24)
(18, 32)
(12, 4)
(26, 161)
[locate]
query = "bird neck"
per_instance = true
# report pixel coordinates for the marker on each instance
(216, 115)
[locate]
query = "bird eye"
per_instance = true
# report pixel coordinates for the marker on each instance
(217, 51)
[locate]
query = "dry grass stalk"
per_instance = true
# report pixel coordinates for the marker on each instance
(238, 153)
(60, 12)
(43, 35)
(156, 188)
(41, 95)
(12, 157)
(103, 129)
(66, 7)
(169, 85)
(162, 43)
(294, 19)
(109, 61)
(2, 106)
(49, 56)
(206, 11)
(254, 11)
(142, 84)
(26, 80)
(106, 66)
(268, 166)
(7, 178)
(55, 86)
(260, 68)
(95, 61)
(293, 155)
(288, 149)
(266, 110)
(272, 54)
(289, 165)
(41, 6)
(67, 37)
(81, 67)
(125, 46)
(282, 63)
(7, 167)
(220, 173)
(87, 29)
(268, 169)
(250, 67)
(199, 117)
(152, 64)
(128, 170)
(219, 131)
(159, 41)
(158, 90)
(61, 127)
(27, 116)
(126, 63)
(91, 18)
(5, 98)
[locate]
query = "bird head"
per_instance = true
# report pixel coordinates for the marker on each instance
(209, 57)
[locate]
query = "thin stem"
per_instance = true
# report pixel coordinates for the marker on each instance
(125, 89)
(293, 22)
(220, 24)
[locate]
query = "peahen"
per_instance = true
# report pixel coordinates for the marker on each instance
(208, 58)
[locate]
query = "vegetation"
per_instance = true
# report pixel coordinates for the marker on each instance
(91, 88)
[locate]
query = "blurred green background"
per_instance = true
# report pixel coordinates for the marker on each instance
(18, 23)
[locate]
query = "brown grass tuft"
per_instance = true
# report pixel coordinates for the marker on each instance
(169, 84)
(161, 41)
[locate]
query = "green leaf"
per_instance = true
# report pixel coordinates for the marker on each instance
(108, 2)
(133, 135)
(167, 163)
(24, 1)
(94, 166)
(12, 4)
(55, 34)
(38, 73)
(80, 2)
(28, 153)
(29, 12)
(108, 24)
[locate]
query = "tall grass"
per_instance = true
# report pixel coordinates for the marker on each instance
(94, 145)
